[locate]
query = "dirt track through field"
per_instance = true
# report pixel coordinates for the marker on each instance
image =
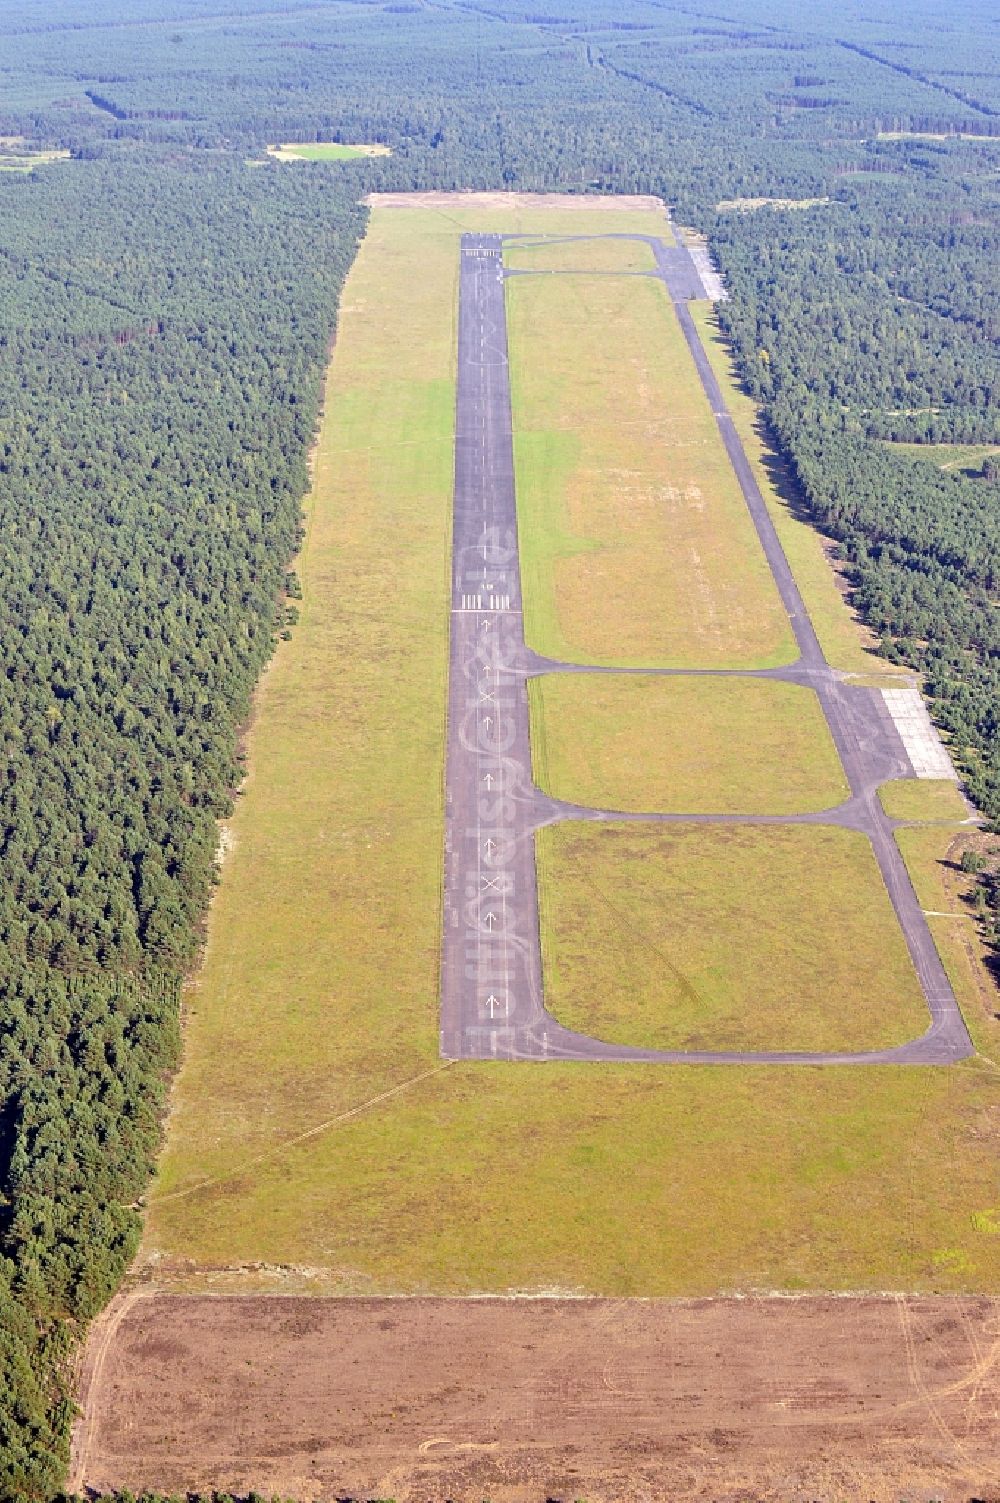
(492, 1001)
(816, 1398)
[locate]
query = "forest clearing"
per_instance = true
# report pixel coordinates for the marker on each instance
(310, 1164)
(326, 151)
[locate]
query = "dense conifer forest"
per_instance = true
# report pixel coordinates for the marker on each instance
(167, 296)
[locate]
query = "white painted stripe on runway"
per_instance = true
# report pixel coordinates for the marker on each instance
(485, 610)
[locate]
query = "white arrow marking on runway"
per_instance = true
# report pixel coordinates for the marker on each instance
(493, 1003)
(488, 780)
(489, 847)
(490, 920)
(486, 669)
(487, 721)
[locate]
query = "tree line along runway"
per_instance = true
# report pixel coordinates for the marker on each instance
(492, 994)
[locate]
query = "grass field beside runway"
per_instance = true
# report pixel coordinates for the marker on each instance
(844, 640)
(933, 855)
(683, 745)
(723, 937)
(331, 893)
(923, 799)
(581, 255)
(316, 1140)
(536, 213)
(636, 544)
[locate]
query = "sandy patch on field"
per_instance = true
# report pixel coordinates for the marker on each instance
(817, 1398)
(585, 202)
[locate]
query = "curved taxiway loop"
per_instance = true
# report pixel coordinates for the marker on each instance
(492, 1003)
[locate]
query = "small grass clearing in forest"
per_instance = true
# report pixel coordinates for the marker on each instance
(683, 745)
(747, 205)
(932, 135)
(327, 151)
(17, 156)
(965, 459)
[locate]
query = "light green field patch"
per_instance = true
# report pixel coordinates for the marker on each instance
(683, 745)
(930, 854)
(951, 458)
(15, 159)
(932, 135)
(723, 937)
(636, 545)
(923, 799)
(581, 255)
(536, 213)
(327, 151)
(933, 856)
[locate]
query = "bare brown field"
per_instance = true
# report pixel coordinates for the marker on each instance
(816, 1398)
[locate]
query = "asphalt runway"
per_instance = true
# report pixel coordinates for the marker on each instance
(492, 1003)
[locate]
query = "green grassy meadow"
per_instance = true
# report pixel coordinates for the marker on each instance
(14, 158)
(636, 546)
(923, 799)
(683, 745)
(581, 255)
(954, 458)
(316, 1141)
(713, 937)
(326, 151)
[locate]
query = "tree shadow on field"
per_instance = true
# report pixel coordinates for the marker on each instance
(781, 477)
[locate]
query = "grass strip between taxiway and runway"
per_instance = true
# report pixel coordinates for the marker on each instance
(723, 937)
(846, 644)
(691, 745)
(319, 987)
(599, 254)
(636, 545)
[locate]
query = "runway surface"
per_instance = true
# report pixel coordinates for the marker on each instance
(492, 1004)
